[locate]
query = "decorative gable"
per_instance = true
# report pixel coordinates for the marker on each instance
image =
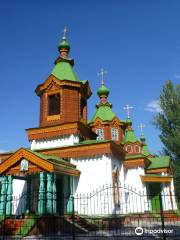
(24, 162)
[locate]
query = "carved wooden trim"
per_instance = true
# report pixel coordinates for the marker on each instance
(78, 151)
(156, 179)
(134, 163)
(41, 164)
(159, 170)
(53, 117)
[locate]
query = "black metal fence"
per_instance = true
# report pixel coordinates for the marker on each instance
(109, 212)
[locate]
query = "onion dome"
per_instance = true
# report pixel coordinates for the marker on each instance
(128, 122)
(103, 91)
(145, 151)
(63, 69)
(64, 44)
(142, 138)
(130, 136)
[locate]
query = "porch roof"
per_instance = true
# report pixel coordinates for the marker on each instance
(159, 162)
(38, 162)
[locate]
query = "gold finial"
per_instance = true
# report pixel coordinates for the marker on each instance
(64, 33)
(101, 73)
(127, 108)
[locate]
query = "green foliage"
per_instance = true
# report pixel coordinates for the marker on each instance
(168, 122)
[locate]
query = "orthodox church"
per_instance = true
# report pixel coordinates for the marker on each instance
(73, 156)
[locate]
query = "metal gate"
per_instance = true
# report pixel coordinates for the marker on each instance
(110, 212)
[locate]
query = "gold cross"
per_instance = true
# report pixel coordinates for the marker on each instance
(127, 108)
(64, 33)
(101, 73)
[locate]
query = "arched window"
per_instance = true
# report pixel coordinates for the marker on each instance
(137, 149)
(100, 134)
(114, 134)
(53, 104)
(129, 148)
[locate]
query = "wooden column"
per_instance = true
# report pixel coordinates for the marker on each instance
(3, 196)
(49, 194)
(9, 196)
(41, 196)
(54, 195)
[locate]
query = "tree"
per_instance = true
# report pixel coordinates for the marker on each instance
(168, 122)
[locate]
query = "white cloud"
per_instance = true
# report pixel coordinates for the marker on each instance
(153, 106)
(177, 75)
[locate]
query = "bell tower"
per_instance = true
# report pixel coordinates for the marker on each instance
(63, 100)
(63, 96)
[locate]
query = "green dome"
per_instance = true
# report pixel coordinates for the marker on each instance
(129, 122)
(103, 91)
(64, 44)
(142, 138)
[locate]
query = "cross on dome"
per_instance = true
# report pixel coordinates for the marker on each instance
(64, 33)
(127, 108)
(141, 126)
(101, 73)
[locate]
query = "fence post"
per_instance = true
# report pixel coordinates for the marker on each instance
(162, 216)
(73, 220)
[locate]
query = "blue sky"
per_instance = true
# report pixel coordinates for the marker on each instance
(136, 42)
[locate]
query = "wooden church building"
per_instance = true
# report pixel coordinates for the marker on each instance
(70, 155)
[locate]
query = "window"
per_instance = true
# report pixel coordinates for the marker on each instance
(83, 108)
(54, 104)
(129, 149)
(100, 133)
(114, 134)
(137, 149)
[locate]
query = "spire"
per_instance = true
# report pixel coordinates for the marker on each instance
(63, 69)
(103, 91)
(104, 108)
(130, 136)
(127, 108)
(144, 147)
(64, 46)
(142, 138)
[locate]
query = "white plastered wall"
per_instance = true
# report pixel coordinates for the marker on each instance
(136, 194)
(93, 189)
(67, 140)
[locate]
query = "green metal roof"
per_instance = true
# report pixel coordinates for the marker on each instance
(104, 112)
(47, 157)
(159, 162)
(64, 71)
(134, 156)
(54, 160)
(93, 141)
(145, 150)
(103, 91)
(129, 137)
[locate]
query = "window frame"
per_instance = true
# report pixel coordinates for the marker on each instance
(51, 112)
(114, 134)
(100, 134)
